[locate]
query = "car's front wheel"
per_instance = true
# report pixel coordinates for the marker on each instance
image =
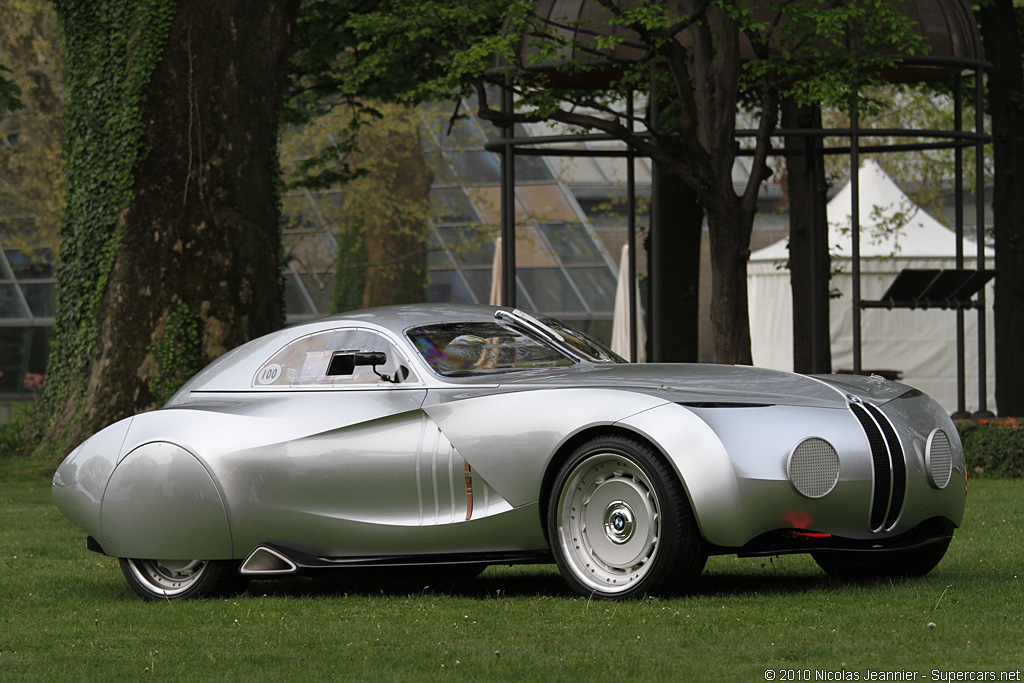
(182, 579)
(620, 524)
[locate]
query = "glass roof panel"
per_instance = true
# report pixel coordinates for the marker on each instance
(6, 274)
(547, 203)
(295, 301)
(597, 285)
(531, 168)
(11, 305)
(572, 243)
(531, 252)
(329, 204)
(445, 286)
(451, 205)
(578, 170)
(614, 168)
(40, 297)
(478, 167)
(480, 283)
(487, 201)
(469, 246)
(312, 252)
(549, 290)
(12, 348)
(438, 163)
(436, 256)
(24, 267)
(319, 286)
(464, 133)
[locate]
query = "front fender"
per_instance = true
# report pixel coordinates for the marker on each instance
(704, 468)
(161, 503)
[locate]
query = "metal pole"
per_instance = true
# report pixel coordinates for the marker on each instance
(508, 199)
(855, 231)
(631, 234)
(958, 157)
(654, 278)
(818, 245)
(979, 166)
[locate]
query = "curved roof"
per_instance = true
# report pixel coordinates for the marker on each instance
(947, 26)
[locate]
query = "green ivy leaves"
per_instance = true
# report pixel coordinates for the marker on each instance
(111, 50)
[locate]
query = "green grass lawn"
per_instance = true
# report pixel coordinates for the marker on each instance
(68, 614)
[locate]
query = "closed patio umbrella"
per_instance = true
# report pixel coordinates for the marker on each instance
(620, 318)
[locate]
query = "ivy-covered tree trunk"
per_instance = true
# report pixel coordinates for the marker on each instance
(170, 254)
(1001, 24)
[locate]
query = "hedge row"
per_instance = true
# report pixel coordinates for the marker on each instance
(993, 448)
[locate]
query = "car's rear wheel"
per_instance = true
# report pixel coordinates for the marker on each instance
(860, 565)
(620, 524)
(182, 579)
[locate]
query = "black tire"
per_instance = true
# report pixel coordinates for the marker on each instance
(619, 522)
(182, 580)
(856, 565)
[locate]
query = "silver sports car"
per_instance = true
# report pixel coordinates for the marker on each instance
(447, 438)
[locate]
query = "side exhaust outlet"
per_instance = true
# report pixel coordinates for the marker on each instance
(264, 561)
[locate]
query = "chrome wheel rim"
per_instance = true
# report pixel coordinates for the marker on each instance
(168, 577)
(609, 523)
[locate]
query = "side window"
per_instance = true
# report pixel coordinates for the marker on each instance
(336, 358)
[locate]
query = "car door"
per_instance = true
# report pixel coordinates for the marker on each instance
(359, 469)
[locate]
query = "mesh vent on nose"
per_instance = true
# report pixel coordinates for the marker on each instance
(938, 455)
(814, 467)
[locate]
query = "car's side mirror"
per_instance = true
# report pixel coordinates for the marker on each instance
(345, 362)
(370, 358)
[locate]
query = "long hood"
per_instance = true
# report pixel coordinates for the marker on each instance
(695, 383)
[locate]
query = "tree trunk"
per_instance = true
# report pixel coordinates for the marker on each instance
(808, 242)
(729, 229)
(674, 270)
(194, 250)
(1000, 32)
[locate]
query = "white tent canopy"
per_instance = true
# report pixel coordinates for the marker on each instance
(921, 345)
(620, 318)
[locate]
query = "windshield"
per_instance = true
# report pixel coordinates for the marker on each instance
(478, 348)
(582, 343)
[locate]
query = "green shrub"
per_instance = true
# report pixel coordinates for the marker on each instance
(993, 449)
(12, 433)
(11, 440)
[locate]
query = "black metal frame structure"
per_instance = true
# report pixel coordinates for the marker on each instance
(957, 139)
